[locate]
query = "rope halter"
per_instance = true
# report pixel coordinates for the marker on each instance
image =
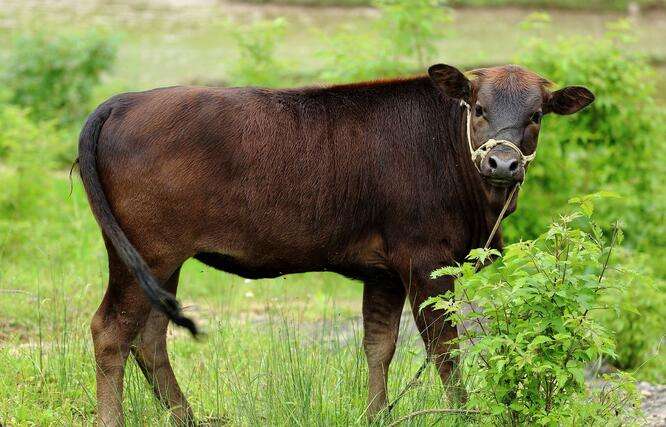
(484, 149)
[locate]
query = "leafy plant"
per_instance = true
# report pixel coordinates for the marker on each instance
(531, 325)
(638, 316)
(350, 57)
(403, 39)
(615, 143)
(257, 63)
(53, 75)
(23, 179)
(413, 27)
(613, 5)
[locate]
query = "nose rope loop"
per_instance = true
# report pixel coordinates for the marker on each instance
(484, 149)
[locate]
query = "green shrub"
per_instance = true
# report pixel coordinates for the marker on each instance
(619, 5)
(53, 74)
(25, 161)
(565, 4)
(615, 144)
(350, 57)
(403, 39)
(23, 141)
(638, 318)
(413, 27)
(257, 63)
(534, 331)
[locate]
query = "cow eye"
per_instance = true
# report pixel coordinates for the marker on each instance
(536, 117)
(478, 111)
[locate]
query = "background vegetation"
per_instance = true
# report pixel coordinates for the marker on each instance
(288, 350)
(615, 5)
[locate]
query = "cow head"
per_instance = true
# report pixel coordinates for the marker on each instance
(506, 105)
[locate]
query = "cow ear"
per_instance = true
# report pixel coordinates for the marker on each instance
(450, 81)
(568, 100)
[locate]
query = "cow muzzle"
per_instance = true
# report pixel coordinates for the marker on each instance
(499, 161)
(501, 166)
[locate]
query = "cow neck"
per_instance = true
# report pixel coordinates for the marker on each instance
(468, 200)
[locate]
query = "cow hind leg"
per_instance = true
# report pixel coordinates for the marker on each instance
(150, 353)
(116, 324)
(383, 301)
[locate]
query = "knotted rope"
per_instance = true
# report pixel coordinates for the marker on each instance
(484, 149)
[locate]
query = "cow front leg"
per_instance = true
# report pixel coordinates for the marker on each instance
(436, 331)
(383, 301)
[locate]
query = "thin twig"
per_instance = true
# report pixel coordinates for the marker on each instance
(610, 250)
(412, 383)
(601, 276)
(435, 411)
(566, 260)
(16, 291)
(539, 269)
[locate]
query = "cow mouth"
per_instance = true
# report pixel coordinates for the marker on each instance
(499, 182)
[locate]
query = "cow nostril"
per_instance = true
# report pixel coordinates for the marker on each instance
(492, 162)
(513, 166)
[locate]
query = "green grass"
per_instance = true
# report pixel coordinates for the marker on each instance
(281, 351)
(276, 352)
(268, 373)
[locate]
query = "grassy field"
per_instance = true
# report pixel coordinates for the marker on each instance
(275, 351)
(281, 351)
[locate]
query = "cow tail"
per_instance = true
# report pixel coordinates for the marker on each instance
(159, 298)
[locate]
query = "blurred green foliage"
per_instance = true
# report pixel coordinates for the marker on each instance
(53, 75)
(26, 157)
(615, 144)
(413, 26)
(258, 63)
(563, 4)
(638, 316)
(404, 40)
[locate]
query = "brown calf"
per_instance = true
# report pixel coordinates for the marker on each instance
(371, 180)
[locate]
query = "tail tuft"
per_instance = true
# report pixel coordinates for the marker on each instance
(172, 308)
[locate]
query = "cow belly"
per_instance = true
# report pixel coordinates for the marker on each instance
(240, 268)
(355, 268)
